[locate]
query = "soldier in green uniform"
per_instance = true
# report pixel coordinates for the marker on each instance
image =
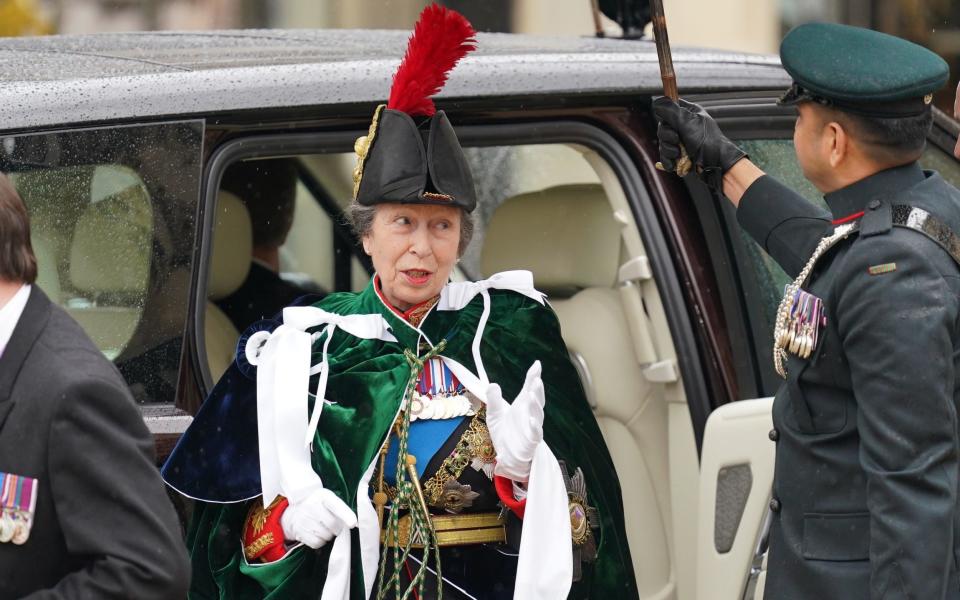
(865, 499)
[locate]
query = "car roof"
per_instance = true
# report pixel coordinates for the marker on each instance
(57, 80)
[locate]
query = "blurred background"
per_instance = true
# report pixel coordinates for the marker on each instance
(746, 25)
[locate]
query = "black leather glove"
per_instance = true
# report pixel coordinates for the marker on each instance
(687, 123)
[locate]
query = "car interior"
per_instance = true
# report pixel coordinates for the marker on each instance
(105, 226)
(92, 231)
(575, 256)
(229, 264)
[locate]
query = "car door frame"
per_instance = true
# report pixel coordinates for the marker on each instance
(166, 421)
(558, 130)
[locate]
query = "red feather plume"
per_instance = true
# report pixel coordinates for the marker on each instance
(440, 39)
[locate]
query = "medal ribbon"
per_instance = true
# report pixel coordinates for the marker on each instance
(787, 334)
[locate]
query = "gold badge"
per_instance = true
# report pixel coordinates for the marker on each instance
(362, 148)
(584, 519)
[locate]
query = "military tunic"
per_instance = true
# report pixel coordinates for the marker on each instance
(865, 498)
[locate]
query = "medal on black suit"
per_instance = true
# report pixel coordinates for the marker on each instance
(18, 501)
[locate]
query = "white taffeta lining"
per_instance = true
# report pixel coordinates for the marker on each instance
(337, 584)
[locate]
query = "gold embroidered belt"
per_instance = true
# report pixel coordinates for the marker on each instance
(455, 530)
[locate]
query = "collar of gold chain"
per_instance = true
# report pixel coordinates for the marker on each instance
(783, 311)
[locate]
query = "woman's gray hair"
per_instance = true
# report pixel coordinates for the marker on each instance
(360, 218)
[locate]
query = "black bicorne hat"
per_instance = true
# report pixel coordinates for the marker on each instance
(411, 153)
(412, 163)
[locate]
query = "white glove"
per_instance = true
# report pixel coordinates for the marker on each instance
(516, 429)
(316, 520)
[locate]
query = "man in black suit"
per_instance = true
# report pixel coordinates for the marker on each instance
(268, 188)
(83, 512)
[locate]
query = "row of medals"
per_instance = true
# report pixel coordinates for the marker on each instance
(14, 527)
(799, 336)
(443, 406)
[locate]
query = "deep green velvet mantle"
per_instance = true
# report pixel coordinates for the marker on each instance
(365, 387)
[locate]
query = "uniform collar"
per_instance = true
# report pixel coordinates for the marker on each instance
(413, 315)
(408, 334)
(846, 203)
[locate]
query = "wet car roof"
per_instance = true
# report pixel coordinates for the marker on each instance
(46, 81)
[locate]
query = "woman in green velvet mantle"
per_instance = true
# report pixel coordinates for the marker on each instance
(417, 439)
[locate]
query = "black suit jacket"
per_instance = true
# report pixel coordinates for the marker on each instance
(104, 526)
(866, 494)
(262, 295)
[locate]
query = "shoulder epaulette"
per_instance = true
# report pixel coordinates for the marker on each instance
(877, 219)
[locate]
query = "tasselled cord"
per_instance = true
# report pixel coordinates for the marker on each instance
(421, 528)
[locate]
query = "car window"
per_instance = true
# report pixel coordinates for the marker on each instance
(499, 172)
(316, 253)
(304, 257)
(777, 158)
(112, 222)
(314, 248)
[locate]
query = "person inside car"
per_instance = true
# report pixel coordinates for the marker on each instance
(449, 448)
(268, 188)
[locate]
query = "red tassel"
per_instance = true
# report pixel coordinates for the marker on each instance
(440, 39)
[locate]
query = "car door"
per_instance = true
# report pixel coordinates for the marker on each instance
(112, 212)
(737, 460)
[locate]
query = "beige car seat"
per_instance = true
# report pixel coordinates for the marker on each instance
(48, 279)
(229, 266)
(568, 237)
(110, 268)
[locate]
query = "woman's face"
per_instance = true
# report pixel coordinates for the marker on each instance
(413, 248)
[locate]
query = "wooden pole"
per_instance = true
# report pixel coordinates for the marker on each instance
(597, 23)
(667, 74)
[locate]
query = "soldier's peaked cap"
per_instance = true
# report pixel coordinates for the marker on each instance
(860, 71)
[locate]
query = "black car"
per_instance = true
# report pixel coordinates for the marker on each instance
(119, 143)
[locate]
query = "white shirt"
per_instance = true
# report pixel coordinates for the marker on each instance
(10, 315)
